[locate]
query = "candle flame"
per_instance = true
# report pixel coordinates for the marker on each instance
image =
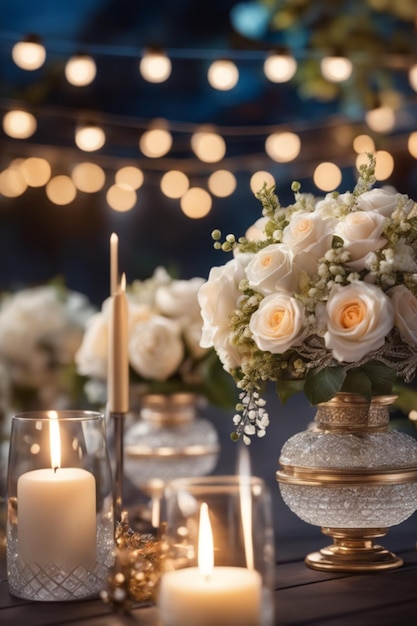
(123, 282)
(205, 543)
(245, 492)
(54, 440)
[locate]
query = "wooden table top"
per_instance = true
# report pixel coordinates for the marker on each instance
(303, 597)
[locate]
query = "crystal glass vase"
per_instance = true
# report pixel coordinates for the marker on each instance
(169, 439)
(353, 477)
(60, 526)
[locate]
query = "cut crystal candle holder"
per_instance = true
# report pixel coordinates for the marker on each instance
(60, 525)
(240, 513)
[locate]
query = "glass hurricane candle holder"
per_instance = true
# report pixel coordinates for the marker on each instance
(235, 586)
(60, 526)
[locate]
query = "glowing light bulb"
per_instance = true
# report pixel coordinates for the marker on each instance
(223, 75)
(280, 68)
(336, 69)
(80, 70)
(29, 54)
(155, 66)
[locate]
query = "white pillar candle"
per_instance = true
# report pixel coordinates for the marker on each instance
(208, 595)
(57, 517)
(56, 512)
(230, 596)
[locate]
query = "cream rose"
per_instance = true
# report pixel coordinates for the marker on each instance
(179, 298)
(361, 232)
(309, 237)
(358, 317)
(405, 312)
(155, 348)
(273, 269)
(382, 201)
(278, 324)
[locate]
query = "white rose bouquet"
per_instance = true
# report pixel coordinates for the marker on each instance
(320, 297)
(41, 329)
(164, 332)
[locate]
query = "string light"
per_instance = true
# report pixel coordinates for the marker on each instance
(208, 146)
(121, 198)
(88, 177)
(155, 66)
(196, 203)
(259, 178)
(222, 183)
(336, 69)
(36, 171)
(283, 147)
(363, 143)
(327, 176)
(129, 176)
(174, 184)
(80, 70)
(280, 68)
(381, 119)
(61, 190)
(223, 75)
(29, 54)
(156, 142)
(19, 124)
(90, 137)
(12, 183)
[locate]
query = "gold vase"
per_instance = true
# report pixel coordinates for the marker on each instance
(354, 478)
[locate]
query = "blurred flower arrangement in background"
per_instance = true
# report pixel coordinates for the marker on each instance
(164, 331)
(41, 329)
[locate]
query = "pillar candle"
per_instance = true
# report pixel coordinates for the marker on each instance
(57, 517)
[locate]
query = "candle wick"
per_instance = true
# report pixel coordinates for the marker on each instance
(55, 469)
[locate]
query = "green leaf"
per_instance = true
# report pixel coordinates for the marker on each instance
(322, 385)
(358, 382)
(381, 376)
(287, 388)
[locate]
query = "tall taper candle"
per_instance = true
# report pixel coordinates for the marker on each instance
(118, 372)
(114, 265)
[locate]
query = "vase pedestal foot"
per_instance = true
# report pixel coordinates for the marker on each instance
(353, 550)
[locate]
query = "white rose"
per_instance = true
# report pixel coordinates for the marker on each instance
(138, 313)
(358, 317)
(91, 358)
(309, 237)
(179, 298)
(156, 348)
(361, 232)
(192, 336)
(278, 324)
(256, 232)
(273, 269)
(405, 312)
(218, 298)
(382, 201)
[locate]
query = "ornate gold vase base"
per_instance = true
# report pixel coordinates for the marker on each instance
(353, 550)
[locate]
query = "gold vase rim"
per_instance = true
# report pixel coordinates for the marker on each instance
(346, 397)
